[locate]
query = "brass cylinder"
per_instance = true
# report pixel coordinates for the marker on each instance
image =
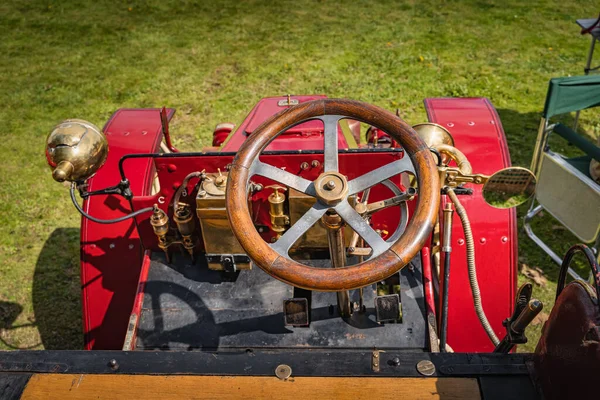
(447, 235)
(277, 210)
(160, 225)
(184, 220)
(185, 225)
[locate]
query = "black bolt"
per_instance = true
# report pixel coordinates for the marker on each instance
(396, 361)
(113, 364)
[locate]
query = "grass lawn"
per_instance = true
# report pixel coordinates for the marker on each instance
(213, 61)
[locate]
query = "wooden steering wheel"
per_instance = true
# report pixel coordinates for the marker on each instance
(331, 190)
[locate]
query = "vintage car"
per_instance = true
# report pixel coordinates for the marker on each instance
(324, 248)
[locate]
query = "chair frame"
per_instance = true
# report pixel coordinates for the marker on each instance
(541, 146)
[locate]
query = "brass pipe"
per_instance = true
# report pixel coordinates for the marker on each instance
(461, 160)
(335, 236)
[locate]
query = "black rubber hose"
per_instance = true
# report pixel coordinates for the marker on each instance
(105, 221)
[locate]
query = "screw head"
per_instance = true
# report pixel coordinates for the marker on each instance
(396, 361)
(283, 372)
(330, 185)
(426, 367)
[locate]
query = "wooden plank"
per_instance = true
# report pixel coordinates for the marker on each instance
(73, 386)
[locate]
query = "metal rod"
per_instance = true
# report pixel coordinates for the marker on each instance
(335, 235)
(533, 211)
(446, 249)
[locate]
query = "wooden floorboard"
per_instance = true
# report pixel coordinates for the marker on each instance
(65, 386)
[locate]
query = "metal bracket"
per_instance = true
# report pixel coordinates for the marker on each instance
(122, 189)
(228, 261)
(376, 360)
(288, 102)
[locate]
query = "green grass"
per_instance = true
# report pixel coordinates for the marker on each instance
(213, 61)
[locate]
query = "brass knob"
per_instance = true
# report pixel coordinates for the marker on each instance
(63, 171)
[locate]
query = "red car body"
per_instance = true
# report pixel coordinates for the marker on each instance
(115, 258)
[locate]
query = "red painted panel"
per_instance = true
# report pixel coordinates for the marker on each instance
(478, 133)
(307, 136)
(111, 255)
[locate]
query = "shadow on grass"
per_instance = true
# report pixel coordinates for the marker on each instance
(9, 312)
(57, 291)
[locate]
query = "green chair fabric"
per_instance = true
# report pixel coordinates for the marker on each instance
(582, 164)
(572, 94)
(573, 137)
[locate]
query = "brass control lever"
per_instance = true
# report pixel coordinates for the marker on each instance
(526, 309)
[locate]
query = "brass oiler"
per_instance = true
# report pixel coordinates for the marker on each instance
(160, 225)
(279, 220)
(185, 225)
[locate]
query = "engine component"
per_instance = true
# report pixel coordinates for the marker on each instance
(185, 225)
(279, 220)
(217, 236)
(160, 225)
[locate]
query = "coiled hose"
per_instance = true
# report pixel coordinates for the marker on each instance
(464, 219)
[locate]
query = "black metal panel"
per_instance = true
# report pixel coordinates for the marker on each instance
(12, 385)
(507, 388)
(262, 363)
(190, 307)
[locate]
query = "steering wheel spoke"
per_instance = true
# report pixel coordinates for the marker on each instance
(279, 175)
(362, 228)
(291, 236)
(380, 174)
(330, 142)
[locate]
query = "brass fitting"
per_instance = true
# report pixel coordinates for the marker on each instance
(447, 236)
(461, 160)
(185, 225)
(279, 219)
(160, 225)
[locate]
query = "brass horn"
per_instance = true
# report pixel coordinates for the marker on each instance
(434, 134)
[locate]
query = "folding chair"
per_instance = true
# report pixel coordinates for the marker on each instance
(565, 189)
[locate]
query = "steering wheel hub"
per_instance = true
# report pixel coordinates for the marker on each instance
(331, 188)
